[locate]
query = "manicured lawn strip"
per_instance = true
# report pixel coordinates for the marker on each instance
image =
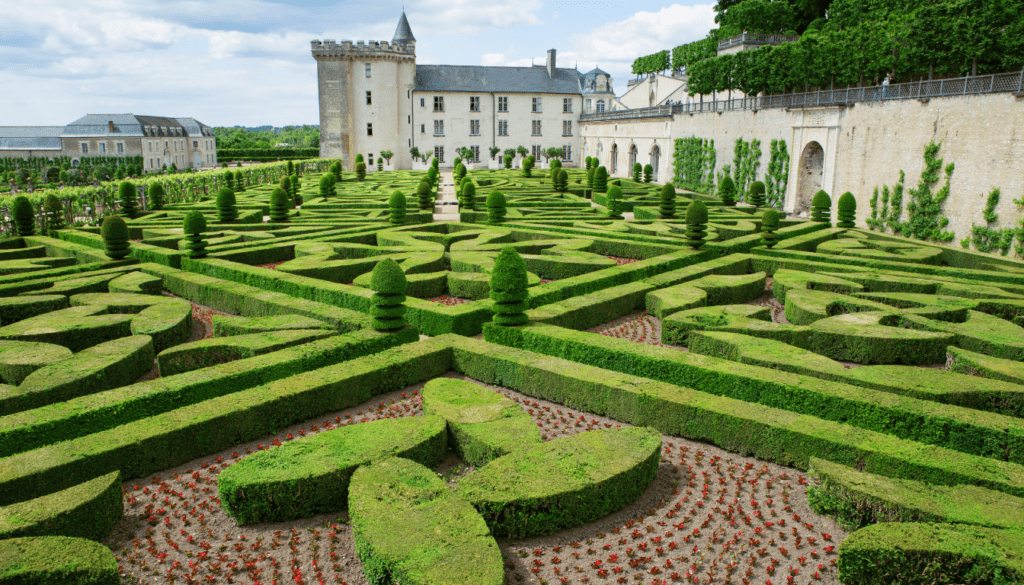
(87, 510)
(435, 538)
(311, 475)
(76, 418)
(733, 424)
(56, 560)
(564, 483)
(249, 301)
(923, 554)
(858, 499)
(174, 437)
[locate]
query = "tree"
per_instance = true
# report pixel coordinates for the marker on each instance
(467, 154)
(415, 152)
(396, 208)
(424, 194)
(601, 180)
(755, 195)
(522, 151)
(638, 171)
(386, 155)
(127, 194)
(668, 201)
(495, 150)
(769, 225)
(24, 216)
(115, 237)
(509, 289)
(387, 308)
(821, 207)
(157, 196)
(614, 202)
(696, 224)
(279, 205)
(227, 211)
(727, 191)
(495, 208)
(847, 210)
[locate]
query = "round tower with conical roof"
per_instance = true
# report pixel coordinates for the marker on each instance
(364, 106)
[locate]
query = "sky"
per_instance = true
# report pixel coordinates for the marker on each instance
(248, 62)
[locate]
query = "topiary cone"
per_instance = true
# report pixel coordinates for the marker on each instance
(360, 171)
(755, 196)
(496, 208)
(638, 171)
(424, 195)
(509, 289)
(601, 180)
(157, 196)
(325, 186)
(115, 237)
(667, 201)
(821, 207)
(847, 210)
(24, 215)
(128, 195)
(614, 202)
(696, 224)
(769, 225)
(727, 191)
(239, 182)
(54, 211)
(279, 205)
(648, 173)
(195, 225)
(396, 208)
(387, 311)
(468, 200)
(226, 209)
(294, 192)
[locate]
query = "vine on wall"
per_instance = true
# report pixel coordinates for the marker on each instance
(925, 220)
(777, 176)
(987, 238)
(694, 162)
(746, 160)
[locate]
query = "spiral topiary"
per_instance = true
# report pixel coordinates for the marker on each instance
(325, 185)
(294, 191)
(229, 180)
(115, 237)
(769, 225)
(562, 181)
(468, 199)
(590, 177)
(380, 164)
(432, 176)
(360, 171)
(638, 171)
(508, 161)
(821, 207)
(727, 191)
(588, 162)
(195, 225)
(24, 216)
(496, 208)
(667, 201)
(755, 195)
(335, 169)
(424, 195)
(648, 173)
(396, 208)
(555, 164)
(615, 202)
(279, 205)
(359, 159)
(127, 194)
(387, 311)
(157, 196)
(286, 184)
(601, 180)
(457, 162)
(509, 289)
(289, 167)
(239, 182)
(227, 211)
(54, 211)
(696, 224)
(436, 163)
(847, 210)
(460, 172)
(528, 166)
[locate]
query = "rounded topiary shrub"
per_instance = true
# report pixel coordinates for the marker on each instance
(432, 176)
(601, 180)
(359, 159)
(588, 162)
(229, 180)
(279, 205)
(325, 185)
(615, 202)
(727, 191)
(226, 209)
(335, 169)
(286, 184)
(821, 207)
(508, 161)
(457, 162)
(387, 309)
(24, 215)
(294, 191)
(638, 172)
(435, 163)
(127, 194)
(590, 177)
(495, 208)
(555, 164)
(528, 166)
(562, 180)
(769, 225)
(115, 237)
(755, 196)
(424, 194)
(360, 171)
(847, 210)
(380, 164)
(667, 201)
(396, 208)
(696, 224)
(468, 199)
(509, 288)
(54, 212)
(239, 182)
(289, 167)
(648, 173)
(195, 226)
(157, 196)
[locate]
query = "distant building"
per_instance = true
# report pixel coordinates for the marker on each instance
(373, 97)
(160, 141)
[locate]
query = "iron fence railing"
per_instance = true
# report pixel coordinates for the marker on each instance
(755, 39)
(1000, 82)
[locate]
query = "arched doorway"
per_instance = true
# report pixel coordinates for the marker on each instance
(615, 159)
(633, 152)
(812, 170)
(655, 157)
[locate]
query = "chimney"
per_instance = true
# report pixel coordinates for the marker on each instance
(551, 63)
(110, 126)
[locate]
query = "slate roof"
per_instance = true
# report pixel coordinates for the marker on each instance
(498, 79)
(30, 137)
(194, 127)
(97, 125)
(403, 33)
(589, 82)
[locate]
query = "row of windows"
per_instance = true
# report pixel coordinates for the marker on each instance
(103, 148)
(181, 161)
(536, 149)
(474, 104)
(195, 144)
(474, 128)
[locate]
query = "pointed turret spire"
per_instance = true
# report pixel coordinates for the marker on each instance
(403, 33)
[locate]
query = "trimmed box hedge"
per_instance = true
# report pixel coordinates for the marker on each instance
(56, 560)
(87, 510)
(221, 350)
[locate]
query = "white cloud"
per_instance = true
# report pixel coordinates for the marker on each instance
(468, 17)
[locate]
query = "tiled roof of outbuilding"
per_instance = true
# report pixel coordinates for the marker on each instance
(497, 79)
(30, 137)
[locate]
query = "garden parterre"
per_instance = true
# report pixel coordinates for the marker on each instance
(668, 414)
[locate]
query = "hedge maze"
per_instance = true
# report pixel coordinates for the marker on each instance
(227, 391)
